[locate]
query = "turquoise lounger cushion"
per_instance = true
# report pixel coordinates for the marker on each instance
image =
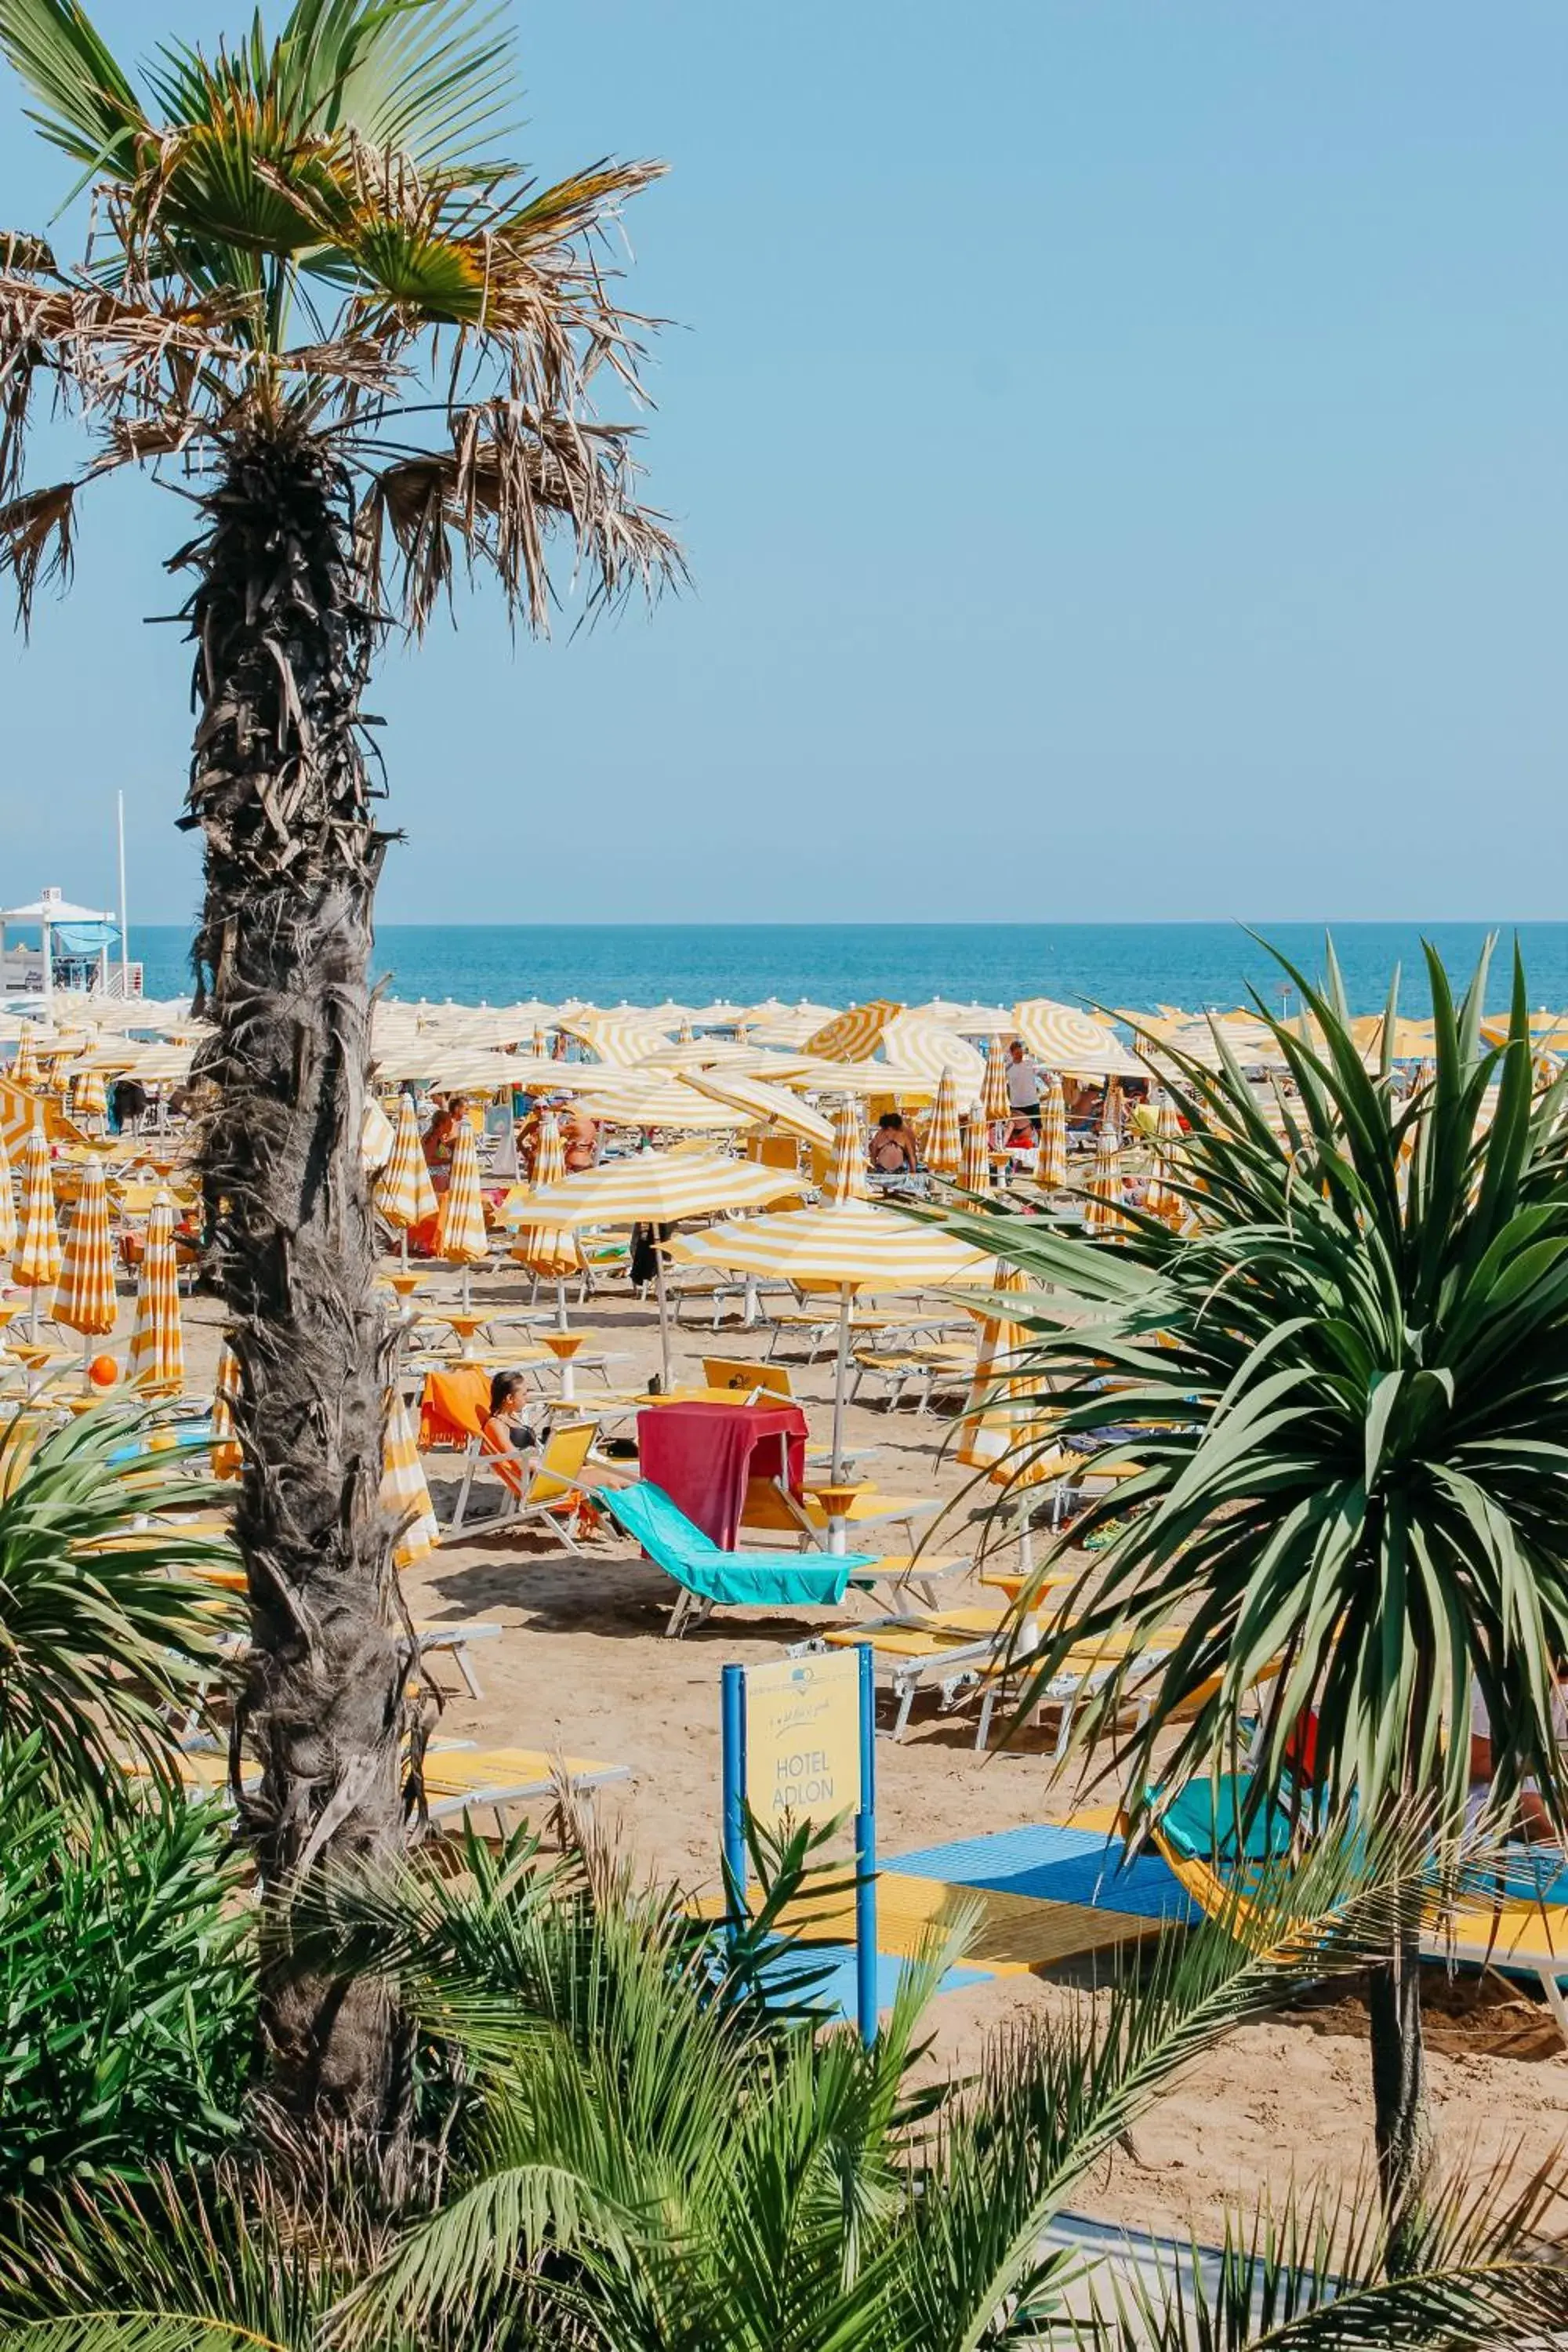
(746, 1579)
(1203, 1823)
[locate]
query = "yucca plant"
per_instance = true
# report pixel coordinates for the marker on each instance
(320, 299)
(1348, 1385)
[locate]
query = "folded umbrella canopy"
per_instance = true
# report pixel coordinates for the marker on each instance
(24, 1069)
(376, 1136)
(37, 1261)
(85, 1299)
(403, 1195)
(1102, 1210)
(228, 1457)
(974, 1175)
(403, 1492)
(157, 1341)
(1161, 1199)
(943, 1147)
(460, 1235)
(542, 1248)
(660, 1188)
(1004, 1423)
(8, 1203)
(996, 1101)
(849, 1243)
(1051, 1161)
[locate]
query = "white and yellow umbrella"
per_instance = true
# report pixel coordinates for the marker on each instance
(976, 1174)
(998, 1108)
(848, 1151)
(228, 1457)
(943, 1148)
(771, 1105)
(460, 1235)
(1060, 1037)
(849, 1243)
(23, 1070)
(855, 1036)
(403, 1492)
(1162, 1200)
(7, 1205)
(157, 1341)
(660, 1188)
(84, 1299)
(377, 1137)
(405, 1195)
(1003, 1421)
(1051, 1159)
(543, 1249)
(89, 1095)
(1102, 1209)
(39, 1258)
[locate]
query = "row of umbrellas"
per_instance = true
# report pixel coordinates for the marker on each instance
(81, 1271)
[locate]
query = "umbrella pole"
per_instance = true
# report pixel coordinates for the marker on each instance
(33, 1318)
(467, 1300)
(402, 1245)
(840, 1383)
(663, 1315)
(560, 1304)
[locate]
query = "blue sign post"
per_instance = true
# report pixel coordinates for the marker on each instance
(796, 1737)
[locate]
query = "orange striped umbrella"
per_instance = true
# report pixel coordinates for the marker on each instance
(1051, 1161)
(460, 1236)
(403, 1492)
(376, 1136)
(25, 1060)
(228, 1459)
(36, 1264)
(1099, 1211)
(547, 1250)
(1162, 1200)
(7, 1205)
(975, 1174)
(403, 1193)
(943, 1150)
(89, 1095)
(157, 1341)
(85, 1299)
(998, 1109)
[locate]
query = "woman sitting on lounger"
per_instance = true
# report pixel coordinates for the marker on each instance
(893, 1148)
(506, 1432)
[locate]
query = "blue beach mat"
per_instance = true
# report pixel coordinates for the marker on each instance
(833, 1995)
(1057, 1865)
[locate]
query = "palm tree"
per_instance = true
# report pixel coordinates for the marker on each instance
(643, 2157)
(1349, 1385)
(312, 301)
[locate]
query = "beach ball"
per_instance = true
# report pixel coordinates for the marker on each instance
(104, 1371)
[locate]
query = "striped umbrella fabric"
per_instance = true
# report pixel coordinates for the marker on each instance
(38, 1258)
(976, 1174)
(7, 1205)
(913, 1041)
(1060, 1037)
(85, 1299)
(1051, 1161)
(89, 1095)
(542, 1248)
(227, 1460)
(855, 1036)
(1002, 1421)
(403, 1492)
(659, 1188)
(943, 1148)
(25, 1060)
(1099, 1212)
(405, 1195)
(1162, 1200)
(998, 1109)
(377, 1137)
(460, 1235)
(157, 1341)
(771, 1104)
(846, 1169)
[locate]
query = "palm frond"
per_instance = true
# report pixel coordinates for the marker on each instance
(87, 104)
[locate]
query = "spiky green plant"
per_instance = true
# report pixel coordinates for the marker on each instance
(320, 299)
(1348, 1385)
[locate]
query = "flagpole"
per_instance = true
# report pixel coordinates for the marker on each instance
(124, 933)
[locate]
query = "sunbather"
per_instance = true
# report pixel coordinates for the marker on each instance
(506, 1430)
(894, 1151)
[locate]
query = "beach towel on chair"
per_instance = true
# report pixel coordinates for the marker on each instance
(453, 1406)
(773, 1579)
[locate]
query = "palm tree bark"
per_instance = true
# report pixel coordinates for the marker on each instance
(1402, 2124)
(280, 791)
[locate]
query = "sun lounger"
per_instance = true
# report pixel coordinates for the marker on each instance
(769, 1509)
(551, 1497)
(458, 1781)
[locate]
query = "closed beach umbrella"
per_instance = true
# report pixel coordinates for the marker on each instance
(998, 1109)
(975, 1174)
(85, 1299)
(943, 1148)
(7, 1205)
(157, 1341)
(89, 1095)
(405, 1195)
(1051, 1159)
(403, 1492)
(1162, 1200)
(1003, 1423)
(376, 1136)
(25, 1061)
(460, 1236)
(36, 1264)
(1100, 1214)
(228, 1459)
(543, 1249)
(848, 1151)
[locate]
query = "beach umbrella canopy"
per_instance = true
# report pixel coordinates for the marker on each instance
(543, 1249)
(25, 1061)
(943, 1148)
(38, 1258)
(405, 1195)
(855, 1036)
(227, 1460)
(89, 1095)
(460, 1235)
(376, 1136)
(998, 1108)
(1104, 1201)
(8, 1203)
(976, 1174)
(157, 1341)
(769, 1103)
(1051, 1159)
(849, 1156)
(1004, 1425)
(1161, 1200)
(403, 1492)
(1060, 1037)
(85, 1299)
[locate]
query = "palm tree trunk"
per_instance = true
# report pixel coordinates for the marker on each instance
(280, 791)
(1402, 2125)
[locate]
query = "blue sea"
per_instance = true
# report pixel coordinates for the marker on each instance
(1108, 964)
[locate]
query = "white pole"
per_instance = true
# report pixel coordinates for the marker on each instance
(124, 931)
(840, 1383)
(49, 972)
(663, 1313)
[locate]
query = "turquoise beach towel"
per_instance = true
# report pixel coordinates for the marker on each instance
(744, 1579)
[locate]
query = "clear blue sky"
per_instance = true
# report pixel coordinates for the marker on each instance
(1122, 450)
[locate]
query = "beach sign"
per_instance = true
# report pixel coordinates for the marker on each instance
(799, 1742)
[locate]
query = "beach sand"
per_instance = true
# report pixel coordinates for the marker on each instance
(582, 1666)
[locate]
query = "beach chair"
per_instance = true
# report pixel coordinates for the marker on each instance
(925, 1369)
(767, 1381)
(458, 1782)
(552, 1496)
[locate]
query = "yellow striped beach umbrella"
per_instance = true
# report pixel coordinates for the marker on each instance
(24, 1069)
(998, 1109)
(403, 1492)
(545, 1250)
(1051, 1159)
(1104, 1201)
(1003, 1423)
(853, 1036)
(85, 1299)
(460, 1235)
(157, 1341)
(227, 1458)
(7, 1205)
(38, 1258)
(376, 1136)
(943, 1148)
(1162, 1200)
(846, 1169)
(89, 1095)
(405, 1195)
(975, 1174)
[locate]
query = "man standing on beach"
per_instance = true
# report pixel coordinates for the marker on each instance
(1023, 1085)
